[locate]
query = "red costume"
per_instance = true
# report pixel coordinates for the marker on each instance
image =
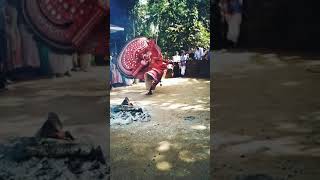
(141, 58)
(69, 24)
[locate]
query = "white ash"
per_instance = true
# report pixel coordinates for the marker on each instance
(127, 114)
(34, 159)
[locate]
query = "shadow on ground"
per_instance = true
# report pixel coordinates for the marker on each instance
(175, 143)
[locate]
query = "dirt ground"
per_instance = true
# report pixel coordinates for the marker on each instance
(80, 101)
(175, 143)
(265, 115)
(265, 119)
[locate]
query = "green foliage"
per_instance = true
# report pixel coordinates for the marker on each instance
(176, 24)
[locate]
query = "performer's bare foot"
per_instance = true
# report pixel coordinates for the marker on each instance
(149, 93)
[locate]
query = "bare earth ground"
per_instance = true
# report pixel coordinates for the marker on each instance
(265, 119)
(175, 143)
(266, 115)
(80, 101)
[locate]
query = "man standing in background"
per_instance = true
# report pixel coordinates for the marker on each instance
(183, 62)
(231, 11)
(176, 68)
(201, 53)
(197, 54)
(176, 58)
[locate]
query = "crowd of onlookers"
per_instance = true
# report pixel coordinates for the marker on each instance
(178, 64)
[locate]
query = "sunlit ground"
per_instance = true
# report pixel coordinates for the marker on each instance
(267, 115)
(175, 143)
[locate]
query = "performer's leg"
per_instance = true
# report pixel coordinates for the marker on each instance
(149, 92)
(153, 86)
(148, 83)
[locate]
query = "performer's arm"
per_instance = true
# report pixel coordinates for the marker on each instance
(143, 63)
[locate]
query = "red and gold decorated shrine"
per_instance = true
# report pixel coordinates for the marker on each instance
(69, 24)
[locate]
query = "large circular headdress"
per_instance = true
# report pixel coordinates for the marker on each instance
(129, 59)
(65, 24)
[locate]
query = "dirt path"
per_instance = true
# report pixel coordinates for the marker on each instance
(175, 143)
(266, 116)
(24, 108)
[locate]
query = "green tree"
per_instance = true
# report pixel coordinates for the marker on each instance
(175, 24)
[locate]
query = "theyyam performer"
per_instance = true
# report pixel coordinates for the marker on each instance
(141, 58)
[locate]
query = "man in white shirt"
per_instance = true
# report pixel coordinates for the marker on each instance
(232, 15)
(183, 63)
(177, 57)
(201, 52)
(198, 54)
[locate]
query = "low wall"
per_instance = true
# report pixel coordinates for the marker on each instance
(198, 69)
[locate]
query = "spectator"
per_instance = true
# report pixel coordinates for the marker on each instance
(177, 57)
(232, 14)
(198, 54)
(201, 52)
(206, 55)
(183, 63)
(191, 53)
(116, 75)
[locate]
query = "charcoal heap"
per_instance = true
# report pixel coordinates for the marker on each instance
(52, 154)
(31, 158)
(126, 113)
